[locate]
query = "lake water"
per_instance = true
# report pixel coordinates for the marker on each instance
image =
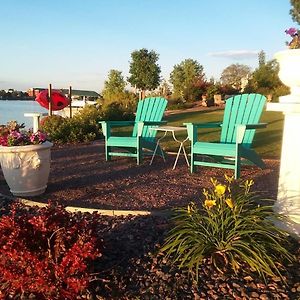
(14, 110)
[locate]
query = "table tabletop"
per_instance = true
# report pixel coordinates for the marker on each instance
(168, 128)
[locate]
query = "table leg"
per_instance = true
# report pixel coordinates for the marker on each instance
(156, 147)
(185, 155)
(154, 152)
(179, 151)
(177, 156)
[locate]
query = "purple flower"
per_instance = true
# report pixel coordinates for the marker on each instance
(291, 31)
(295, 42)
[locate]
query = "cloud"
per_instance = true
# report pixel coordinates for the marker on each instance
(235, 54)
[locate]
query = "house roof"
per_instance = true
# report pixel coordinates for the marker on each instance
(81, 93)
(74, 92)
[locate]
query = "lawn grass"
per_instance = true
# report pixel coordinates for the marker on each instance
(267, 141)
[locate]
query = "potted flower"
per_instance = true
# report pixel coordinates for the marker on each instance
(24, 159)
(289, 64)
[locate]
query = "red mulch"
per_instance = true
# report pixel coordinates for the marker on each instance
(80, 176)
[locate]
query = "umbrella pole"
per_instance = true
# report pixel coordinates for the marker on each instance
(50, 99)
(70, 99)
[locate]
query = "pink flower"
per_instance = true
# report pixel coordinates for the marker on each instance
(13, 135)
(3, 140)
(38, 137)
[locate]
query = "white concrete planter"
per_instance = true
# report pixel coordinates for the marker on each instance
(26, 168)
(288, 197)
(289, 66)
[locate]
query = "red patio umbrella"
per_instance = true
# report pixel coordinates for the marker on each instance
(59, 100)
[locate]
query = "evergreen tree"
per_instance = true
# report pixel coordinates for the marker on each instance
(114, 85)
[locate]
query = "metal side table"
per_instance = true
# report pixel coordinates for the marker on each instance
(172, 129)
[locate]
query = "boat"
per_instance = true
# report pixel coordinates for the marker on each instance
(81, 103)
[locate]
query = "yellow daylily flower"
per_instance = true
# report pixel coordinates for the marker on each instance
(214, 181)
(229, 178)
(220, 189)
(229, 202)
(205, 193)
(209, 203)
(249, 182)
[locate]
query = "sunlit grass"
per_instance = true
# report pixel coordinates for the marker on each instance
(267, 141)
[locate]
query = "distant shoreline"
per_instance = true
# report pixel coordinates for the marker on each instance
(14, 99)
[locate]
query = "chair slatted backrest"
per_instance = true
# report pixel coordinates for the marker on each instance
(149, 109)
(241, 109)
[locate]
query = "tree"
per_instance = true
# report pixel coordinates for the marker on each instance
(235, 75)
(186, 77)
(261, 58)
(164, 89)
(265, 80)
(144, 70)
(114, 85)
(295, 10)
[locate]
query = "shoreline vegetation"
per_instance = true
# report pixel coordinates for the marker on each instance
(19, 99)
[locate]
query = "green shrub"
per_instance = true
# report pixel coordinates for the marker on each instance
(83, 127)
(231, 229)
(56, 128)
(117, 111)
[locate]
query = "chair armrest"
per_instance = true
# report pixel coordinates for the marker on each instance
(141, 125)
(107, 125)
(193, 127)
(155, 123)
(256, 126)
(204, 125)
(241, 130)
(117, 123)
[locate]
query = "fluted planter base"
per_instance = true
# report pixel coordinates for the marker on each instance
(26, 168)
(288, 197)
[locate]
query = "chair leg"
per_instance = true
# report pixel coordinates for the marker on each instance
(107, 150)
(139, 156)
(237, 169)
(193, 167)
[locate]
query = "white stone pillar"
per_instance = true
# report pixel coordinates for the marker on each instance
(288, 197)
(36, 120)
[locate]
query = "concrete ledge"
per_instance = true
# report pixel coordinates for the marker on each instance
(105, 212)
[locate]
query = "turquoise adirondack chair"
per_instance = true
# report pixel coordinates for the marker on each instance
(241, 117)
(149, 114)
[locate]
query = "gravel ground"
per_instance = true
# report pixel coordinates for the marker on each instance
(132, 266)
(80, 176)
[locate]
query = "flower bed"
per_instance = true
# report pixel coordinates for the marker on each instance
(131, 267)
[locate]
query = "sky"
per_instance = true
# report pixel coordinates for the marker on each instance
(77, 42)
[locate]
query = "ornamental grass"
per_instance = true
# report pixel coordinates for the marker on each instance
(231, 229)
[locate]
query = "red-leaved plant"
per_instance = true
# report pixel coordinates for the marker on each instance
(46, 252)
